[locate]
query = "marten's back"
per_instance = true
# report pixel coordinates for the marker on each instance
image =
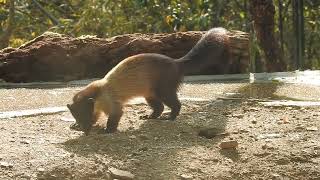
(142, 75)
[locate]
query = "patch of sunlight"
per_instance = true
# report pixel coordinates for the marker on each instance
(291, 103)
(301, 77)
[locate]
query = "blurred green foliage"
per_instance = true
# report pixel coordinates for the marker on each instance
(106, 18)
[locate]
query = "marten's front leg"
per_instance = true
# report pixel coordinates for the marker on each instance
(114, 118)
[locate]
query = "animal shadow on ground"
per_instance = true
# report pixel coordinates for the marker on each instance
(156, 143)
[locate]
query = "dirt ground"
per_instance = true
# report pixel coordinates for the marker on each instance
(274, 142)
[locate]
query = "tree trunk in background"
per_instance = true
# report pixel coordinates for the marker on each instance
(262, 12)
(5, 37)
(298, 24)
(281, 24)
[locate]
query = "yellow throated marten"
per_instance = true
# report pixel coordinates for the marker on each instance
(153, 76)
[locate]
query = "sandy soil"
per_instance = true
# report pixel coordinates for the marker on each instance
(274, 142)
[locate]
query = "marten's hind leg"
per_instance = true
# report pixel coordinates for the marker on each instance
(157, 108)
(170, 98)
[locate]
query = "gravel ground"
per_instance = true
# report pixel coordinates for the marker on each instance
(273, 142)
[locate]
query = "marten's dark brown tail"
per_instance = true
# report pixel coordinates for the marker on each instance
(212, 46)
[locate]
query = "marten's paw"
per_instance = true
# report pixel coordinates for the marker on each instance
(167, 118)
(107, 131)
(75, 126)
(147, 117)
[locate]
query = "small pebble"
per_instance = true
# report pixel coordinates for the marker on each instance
(4, 164)
(312, 128)
(229, 144)
(25, 142)
(41, 169)
(120, 174)
(185, 177)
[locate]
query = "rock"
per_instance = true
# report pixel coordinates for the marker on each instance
(67, 119)
(282, 161)
(120, 174)
(141, 112)
(41, 170)
(264, 146)
(99, 172)
(230, 161)
(284, 120)
(267, 146)
(212, 132)
(228, 144)
(26, 176)
(299, 158)
(235, 115)
(145, 148)
(226, 113)
(316, 114)
(6, 165)
(312, 128)
(25, 142)
(144, 137)
(244, 159)
(238, 115)
(185, 177)
(72, 155)
(275, 176)
(135, 154)
(315, 148)
(253, 109)
(299, 128)
(269, 136)
(244, 131)
(261, 154)
(247, 109)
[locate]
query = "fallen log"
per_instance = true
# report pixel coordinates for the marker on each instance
(58, 57)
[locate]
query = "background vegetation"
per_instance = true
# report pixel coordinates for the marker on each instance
(106, 18)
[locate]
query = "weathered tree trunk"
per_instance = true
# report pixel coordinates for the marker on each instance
(298, 23)
(56, 57)
(280, 19)
(5, 37)
(262, 12)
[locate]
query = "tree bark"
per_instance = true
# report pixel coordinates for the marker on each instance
(262, 12)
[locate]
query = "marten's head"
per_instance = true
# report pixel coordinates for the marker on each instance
(82, 111)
